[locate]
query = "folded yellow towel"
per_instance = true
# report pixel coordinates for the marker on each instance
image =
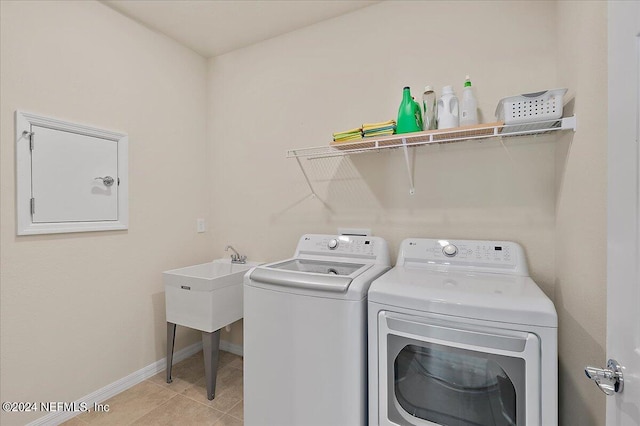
(348, 138)
(348, 132)
(375, 125)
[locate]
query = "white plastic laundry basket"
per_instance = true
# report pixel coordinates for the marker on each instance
(531, 107)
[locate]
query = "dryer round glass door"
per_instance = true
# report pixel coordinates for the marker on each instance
(434, 371)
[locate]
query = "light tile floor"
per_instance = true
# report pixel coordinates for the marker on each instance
(183, 402)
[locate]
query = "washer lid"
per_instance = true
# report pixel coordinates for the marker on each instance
(309, 274)
(317, 266)
(490, 297)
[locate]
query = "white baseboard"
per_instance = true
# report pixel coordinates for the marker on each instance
(230, 347)
(121, 385)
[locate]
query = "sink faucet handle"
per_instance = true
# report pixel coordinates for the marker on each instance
(236, 257)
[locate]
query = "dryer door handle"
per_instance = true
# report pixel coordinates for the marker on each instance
(514, 342)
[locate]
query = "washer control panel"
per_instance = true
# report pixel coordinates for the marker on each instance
(344, 246)
(480, 255)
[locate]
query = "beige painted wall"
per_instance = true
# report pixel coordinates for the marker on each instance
(80, 311)
(72, 323)
(296, 90)
(580, 288)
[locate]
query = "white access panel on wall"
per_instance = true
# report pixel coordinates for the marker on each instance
(70, 177)
(65, 167)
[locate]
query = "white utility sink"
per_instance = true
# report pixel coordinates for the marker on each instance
(206, 297)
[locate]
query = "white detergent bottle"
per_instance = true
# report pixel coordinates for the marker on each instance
(469, 105)
(448, 109)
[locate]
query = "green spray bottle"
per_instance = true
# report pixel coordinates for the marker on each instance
(409, 114)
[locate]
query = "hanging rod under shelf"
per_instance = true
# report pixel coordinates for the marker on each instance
(459, 134)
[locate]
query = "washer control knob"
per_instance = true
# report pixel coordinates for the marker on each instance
(333, 244)
(450, 250)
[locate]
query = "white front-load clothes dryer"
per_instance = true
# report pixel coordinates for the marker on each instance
(305, 333)
(459, 334)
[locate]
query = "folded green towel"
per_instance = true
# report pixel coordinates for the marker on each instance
(379, 129)
(381, 133)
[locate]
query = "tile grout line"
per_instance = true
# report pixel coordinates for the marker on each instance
(234, 406)
(204, 404)
(218, 394)
(223, 413)
(191, 398)
(79, 419)
(153, 409)
(161, 386)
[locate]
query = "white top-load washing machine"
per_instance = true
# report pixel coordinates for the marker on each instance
(305, 333)
(460, 335)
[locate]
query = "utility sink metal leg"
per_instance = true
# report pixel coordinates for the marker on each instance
(171, 339)
(211, 346)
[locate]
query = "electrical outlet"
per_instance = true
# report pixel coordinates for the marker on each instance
(200, 225)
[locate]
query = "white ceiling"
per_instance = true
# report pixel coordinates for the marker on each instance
(214, 27)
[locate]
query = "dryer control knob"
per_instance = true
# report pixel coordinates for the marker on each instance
(450, 250)
(333, 244)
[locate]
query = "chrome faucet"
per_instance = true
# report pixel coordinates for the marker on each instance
(236, 257)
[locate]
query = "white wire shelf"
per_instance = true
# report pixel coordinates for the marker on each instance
(459, 134)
